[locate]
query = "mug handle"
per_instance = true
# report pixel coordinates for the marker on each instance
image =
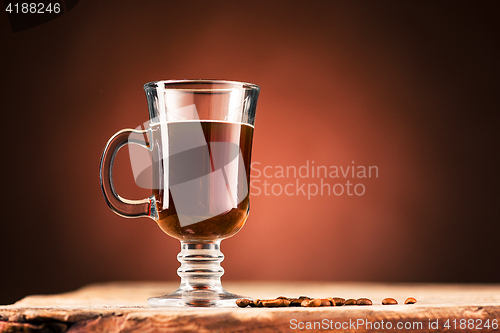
(121, 206)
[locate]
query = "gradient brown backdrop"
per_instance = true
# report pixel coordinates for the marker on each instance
(412, 88)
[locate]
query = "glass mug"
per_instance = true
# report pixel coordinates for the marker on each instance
(200, 141)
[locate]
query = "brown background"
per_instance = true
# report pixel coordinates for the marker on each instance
(412, 88)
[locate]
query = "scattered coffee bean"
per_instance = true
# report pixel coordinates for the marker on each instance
(325, 302)
(243, 302)
(338, 301)
(363, 301)
(410, 300)
(350, 301)
(306, 301)
(295, 301)
(389, 301)
(332, 301)
(272, 303)
(256, 303)
(316, 302)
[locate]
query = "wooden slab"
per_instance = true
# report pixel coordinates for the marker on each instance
(122, 307)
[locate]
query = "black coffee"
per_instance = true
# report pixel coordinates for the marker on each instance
(206, 196)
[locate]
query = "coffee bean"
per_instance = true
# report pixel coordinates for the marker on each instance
(253, 304)
(256, 303)
(311, 302)
(272, 303)
(410, 300)
(339, 301)
(305, 302)
(325, 302)
(295, 301)
(243, 302)
(363, 301)
(284, 301)
(282, 297)
(304, 297)
(350, 301)
(389, 301)
(315, 302)
(332, 301)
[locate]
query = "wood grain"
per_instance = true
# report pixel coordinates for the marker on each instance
(122, 307)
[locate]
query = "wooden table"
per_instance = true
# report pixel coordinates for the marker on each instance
(122, 307)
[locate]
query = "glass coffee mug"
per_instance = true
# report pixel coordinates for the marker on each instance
(200, 141)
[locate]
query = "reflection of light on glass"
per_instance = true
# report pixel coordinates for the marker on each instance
(179, 106)
(235, 114)
(184, 113)
(234, 109)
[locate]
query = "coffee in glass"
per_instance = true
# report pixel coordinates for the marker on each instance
(200, 138)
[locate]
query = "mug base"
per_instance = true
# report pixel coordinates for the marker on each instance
(196, 298)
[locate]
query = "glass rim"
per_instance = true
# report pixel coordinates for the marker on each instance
(173, 83)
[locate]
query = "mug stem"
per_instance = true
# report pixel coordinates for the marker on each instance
(200, 266)
(200, 274)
